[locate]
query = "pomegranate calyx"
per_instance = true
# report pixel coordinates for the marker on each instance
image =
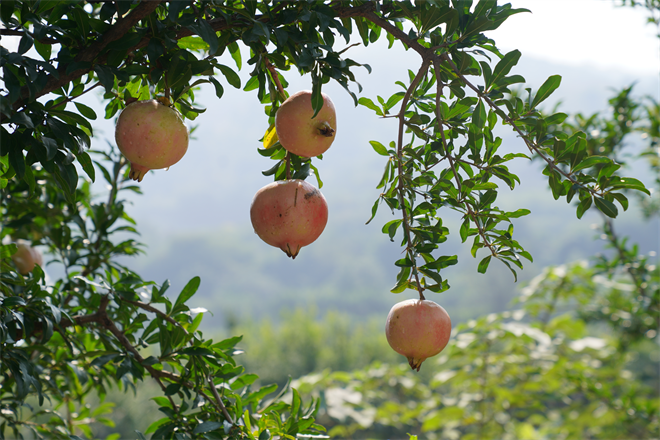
(415, 363)
(326, 130)
(137, 172)
(290, 253)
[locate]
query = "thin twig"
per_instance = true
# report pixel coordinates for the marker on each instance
(274, 75)
(71, 98)
(162, 315)
(401, 186)
(531, 145)
(214, 390)
(470, 212)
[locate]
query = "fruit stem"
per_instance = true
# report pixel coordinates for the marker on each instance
(276, 79)
(288, 165)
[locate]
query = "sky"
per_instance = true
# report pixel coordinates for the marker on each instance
(583, 32)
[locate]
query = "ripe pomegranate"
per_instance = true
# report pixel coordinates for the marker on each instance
(289, 214)
(301, 134)
(417, 329)
(151, 136)
(26, 257)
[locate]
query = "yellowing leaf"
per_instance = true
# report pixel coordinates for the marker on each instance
(270, 137)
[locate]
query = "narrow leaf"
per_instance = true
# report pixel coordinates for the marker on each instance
(546, 89)
(379, 148)
(504, 66)
(591, 161)
(188, 291)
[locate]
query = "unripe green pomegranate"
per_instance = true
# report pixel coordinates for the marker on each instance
(26, 257)
(289, 214)
(151, 136)
(301, 134)
(417, 329)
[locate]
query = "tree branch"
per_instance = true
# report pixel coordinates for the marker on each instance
(89, 54)
(531, 145)
(123, 25)
(152, 309)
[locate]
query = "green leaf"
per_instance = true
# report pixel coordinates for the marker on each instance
(557, 118)
(232, 77)
(583, 206)
(483, 264)
(374, 210)
(317, 97)
(606, 207)
(295, 403)
(391, 227)
(235, 52)
(206, 427)
(219, 90)
(244, 380)
(45, 5)
(379, 148)
(86, 111)
(106, 77)
(17, 159)
(518, 213)
(630, 183)
(188, 291)
(370, 104)
(204, 30)
(174, 10)
(479, 115)
(546, 90)
(504, 66)
(623, 200)
(86, 162)
(192, 43)
(591, 161)
(465, 230)
(442, 262)
(393, 100)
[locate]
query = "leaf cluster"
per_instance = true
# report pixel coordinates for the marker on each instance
(101, 326)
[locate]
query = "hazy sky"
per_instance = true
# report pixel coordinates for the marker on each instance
(583, 32)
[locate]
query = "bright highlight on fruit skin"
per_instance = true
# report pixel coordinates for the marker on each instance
(289, 214)
(301, 134)
(151, 136)
(418, 329)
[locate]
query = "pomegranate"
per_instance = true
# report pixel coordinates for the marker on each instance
(151, 136)
(301, 134)
(289, 214)
(26, 257)
(417, 329)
